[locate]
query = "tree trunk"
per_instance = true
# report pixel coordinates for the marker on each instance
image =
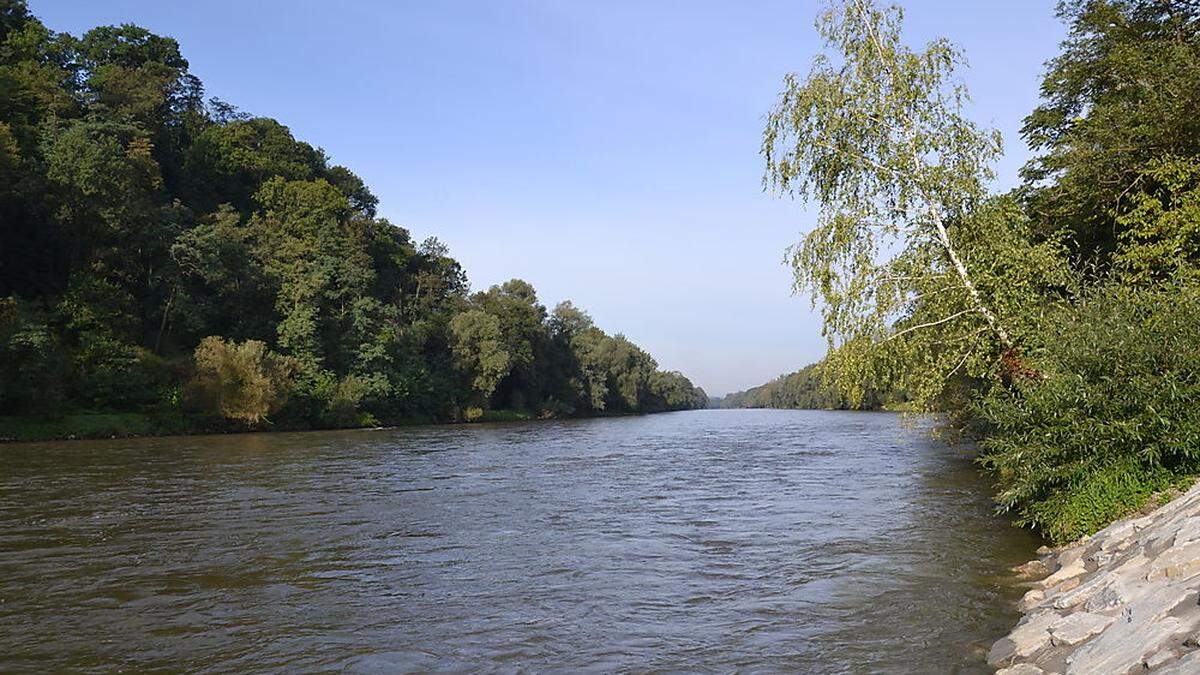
(961, 269)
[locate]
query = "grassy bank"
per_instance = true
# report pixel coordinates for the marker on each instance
(81, 425)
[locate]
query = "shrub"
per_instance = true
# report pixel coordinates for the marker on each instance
(111, 374)
(245, 381)
(342, 409)
(32, 365)
(1112, 419)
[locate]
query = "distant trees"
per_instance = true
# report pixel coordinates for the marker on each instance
(808, 389)
(516, 352)
(154, 242)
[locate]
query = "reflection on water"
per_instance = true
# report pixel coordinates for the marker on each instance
(706, 540)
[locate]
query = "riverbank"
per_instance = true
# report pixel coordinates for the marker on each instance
(102, 425)
(1123, 600)
(99, 425)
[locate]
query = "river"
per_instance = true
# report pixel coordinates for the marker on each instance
(714, 540)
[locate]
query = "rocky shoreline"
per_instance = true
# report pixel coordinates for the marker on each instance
(1124, 600)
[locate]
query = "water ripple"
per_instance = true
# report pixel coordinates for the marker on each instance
(703, 541)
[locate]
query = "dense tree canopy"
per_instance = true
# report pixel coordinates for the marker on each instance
(1117, 132)
(164, 253)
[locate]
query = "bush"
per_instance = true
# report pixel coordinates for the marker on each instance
(245, 381)
(342, 409)
(1112, 417)
(32, 365)
(112, 374)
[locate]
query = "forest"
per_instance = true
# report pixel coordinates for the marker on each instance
(169, 263)
(1055, 323)
(809, 389)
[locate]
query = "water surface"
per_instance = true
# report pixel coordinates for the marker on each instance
(715, 540)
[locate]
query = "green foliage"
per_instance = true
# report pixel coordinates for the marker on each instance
(500, 416)
(671, 390)
(1119, 100)
(1107, 416)
(248, 382)
(32, 365)
(479, 350)
(92, 425)
(918, 274)
(562, 364)
(144, 231)
(230, 161)
(1114, 417)
(343, 408)
(806, 389)
(1160, 222)
(1058, 321)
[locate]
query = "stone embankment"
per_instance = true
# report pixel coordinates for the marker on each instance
(1125, 600)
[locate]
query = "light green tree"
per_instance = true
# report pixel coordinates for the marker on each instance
(918, 274)
(479, 350)
(240, 381)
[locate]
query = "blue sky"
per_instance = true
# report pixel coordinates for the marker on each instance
(605, 151)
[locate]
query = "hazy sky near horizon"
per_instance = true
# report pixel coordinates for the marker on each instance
(606, 152)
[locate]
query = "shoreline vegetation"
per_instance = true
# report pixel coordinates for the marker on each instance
(1054, 324)
(169, 263)
(810, 389)
(110, 425)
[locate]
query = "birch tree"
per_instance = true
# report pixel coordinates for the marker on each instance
(909, 257)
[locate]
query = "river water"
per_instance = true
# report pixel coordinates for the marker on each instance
(715, 540)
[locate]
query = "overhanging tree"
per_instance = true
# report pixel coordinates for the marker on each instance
(919, 274)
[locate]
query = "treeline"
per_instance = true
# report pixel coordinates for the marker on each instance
(166, 254)
(1057, 322)
(806, 389)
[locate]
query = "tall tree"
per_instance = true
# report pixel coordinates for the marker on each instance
(1117, 131)
(877, 137)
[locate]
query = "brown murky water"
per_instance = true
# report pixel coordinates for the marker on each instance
(709, 540)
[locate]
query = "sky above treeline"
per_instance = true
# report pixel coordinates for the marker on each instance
(606, 152)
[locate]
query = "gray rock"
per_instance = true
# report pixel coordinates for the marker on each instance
(1158, 659)
(1123, 601)
(1072, 555)
(1117, 651)
(1188, 665)
(1084, 592)
(1031, 599)
(1066, 573)
(1105, 600)
(1021, 669)
(1027, 638)
(1002, 650)
(1033, 568)
(1075, 628)
(1179, 562)
(1189, 531)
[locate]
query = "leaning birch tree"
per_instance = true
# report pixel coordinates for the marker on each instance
(916, 270)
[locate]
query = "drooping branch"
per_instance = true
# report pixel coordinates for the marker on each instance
(931, 324)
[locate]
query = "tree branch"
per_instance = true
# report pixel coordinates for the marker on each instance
(930, 324)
